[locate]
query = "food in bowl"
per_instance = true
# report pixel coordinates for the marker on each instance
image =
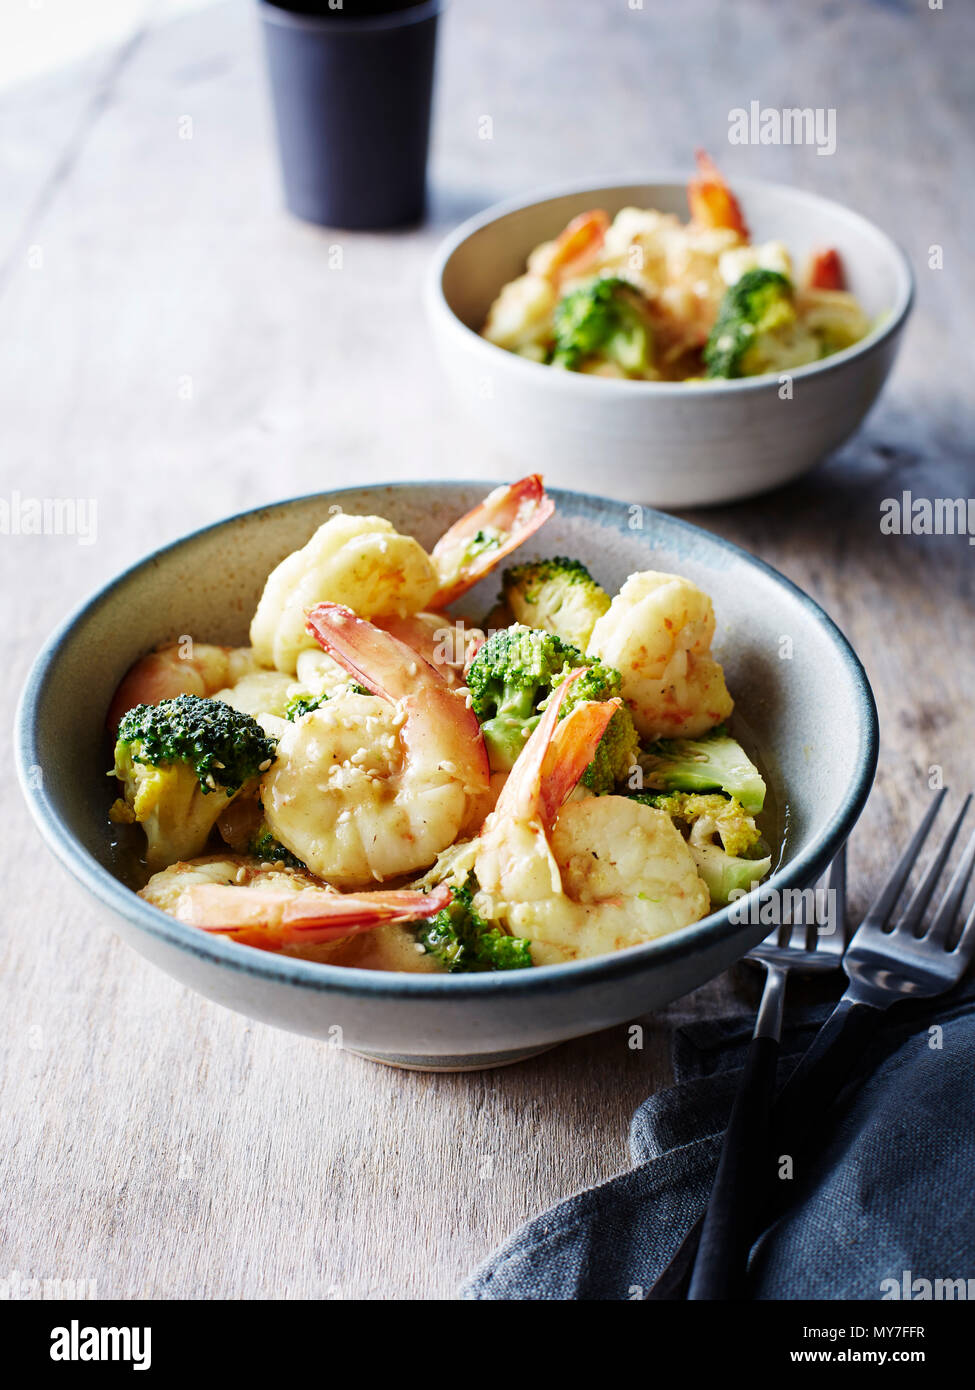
(651, 298)
(376, 783)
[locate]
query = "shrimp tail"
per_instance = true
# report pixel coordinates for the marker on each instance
(825, 271)
(479, 541)
(711, 201)
(577, 245)
(270, 919)
(374, 657)
(554, 757)
(573, 748)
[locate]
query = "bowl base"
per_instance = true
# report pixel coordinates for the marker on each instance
(482, 1062)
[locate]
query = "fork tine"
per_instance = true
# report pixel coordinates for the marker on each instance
(911, 917)
(966, 943)
(944, 918)
(831, 935)
(883, 905)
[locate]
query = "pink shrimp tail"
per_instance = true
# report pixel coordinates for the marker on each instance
(273, 919)
(378, 660)
(555, 756)
(516, 512)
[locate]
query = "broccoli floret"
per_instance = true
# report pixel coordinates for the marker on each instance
(619, 746)
(727, 876)
(753, 310)
(714, 762)
(737, 829)
(464, 942)
(559, 595)
(181, 763)
(268, 850)
(303, 704)
(512, 676)
(606, 319)
(727, 845)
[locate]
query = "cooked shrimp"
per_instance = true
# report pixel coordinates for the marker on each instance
(711, 201)
(657, 633)
(276, 908)
(183, 668)
(368, 788)
(476, 543)
(447, 645)
(362, 561)
(573, 250)
(586, 877)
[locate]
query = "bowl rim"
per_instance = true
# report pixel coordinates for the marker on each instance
(354, 981)
(887, 326)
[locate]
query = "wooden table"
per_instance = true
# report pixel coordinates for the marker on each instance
(177, 348)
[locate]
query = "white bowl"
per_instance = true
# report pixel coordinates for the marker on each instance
(669, 444)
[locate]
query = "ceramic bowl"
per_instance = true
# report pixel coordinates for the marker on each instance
(812, 719)
(667, 444)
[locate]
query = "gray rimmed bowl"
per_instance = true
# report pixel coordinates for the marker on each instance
(812, 719)
(667, 444)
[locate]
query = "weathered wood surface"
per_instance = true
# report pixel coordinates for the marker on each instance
(175, 347)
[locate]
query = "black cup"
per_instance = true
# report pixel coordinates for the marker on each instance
(352, 89)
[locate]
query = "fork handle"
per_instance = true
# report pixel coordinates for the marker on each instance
(731, 1210)
(728, 1226)
(821, 1073)
(803, 1100)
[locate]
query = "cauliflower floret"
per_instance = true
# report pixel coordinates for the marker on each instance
(834, 316)
(770, 255)
(521, 314)
(261, 692)
(320, 674)
(658, 634)
(361, 561)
